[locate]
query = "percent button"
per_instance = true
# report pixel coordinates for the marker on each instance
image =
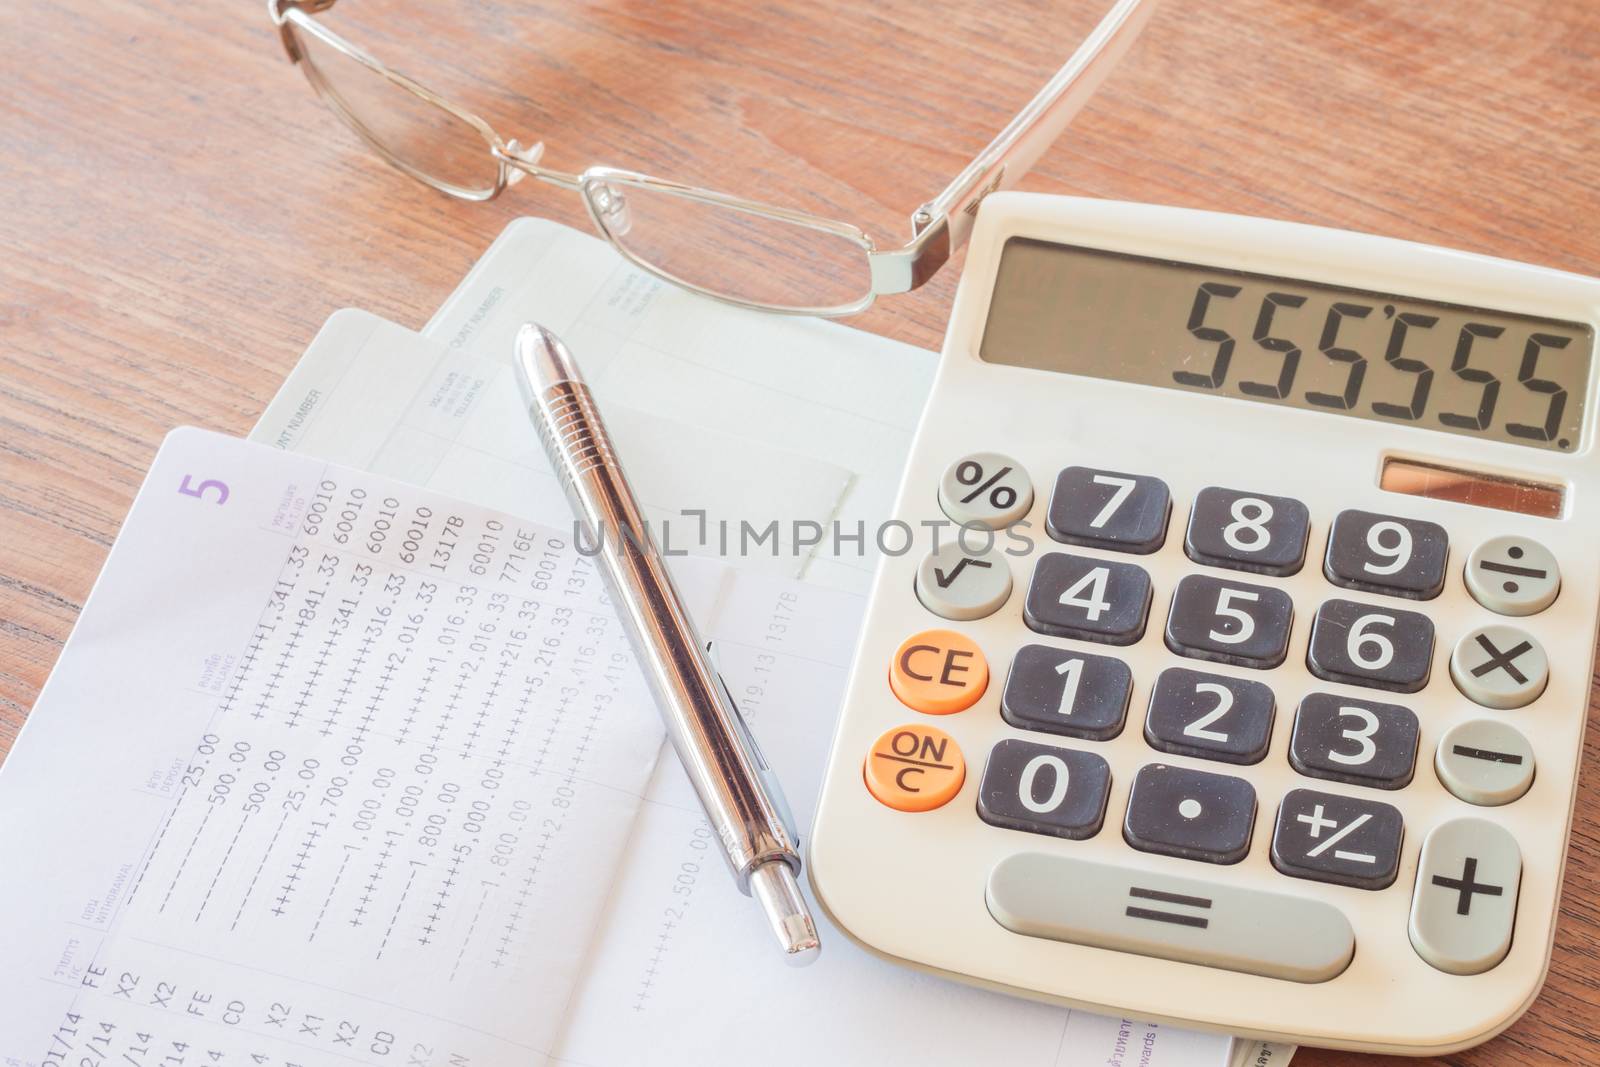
(985, 489)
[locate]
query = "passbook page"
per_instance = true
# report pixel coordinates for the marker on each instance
(332, 770)
(683, 971)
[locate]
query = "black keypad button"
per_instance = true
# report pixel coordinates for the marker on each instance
(1344, 840)
(1385, 554)
(1358, 742)
(1229, 622)
(1090, 599)
(1248, 531)
(1194, 814)
(1105, 509)
(1061, 691)
(1044, 789)
(1209, 715)
(1365, 644)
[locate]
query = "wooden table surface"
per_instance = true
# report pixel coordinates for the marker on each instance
(178, 216)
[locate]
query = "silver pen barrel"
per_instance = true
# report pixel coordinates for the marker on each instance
(734, 785)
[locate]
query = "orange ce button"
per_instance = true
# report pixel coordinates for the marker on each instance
(939, 672)
(915, 768)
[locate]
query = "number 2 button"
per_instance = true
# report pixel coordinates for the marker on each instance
(1248, 532)
(1229, 622)
(1210, 716)
(1361, 644)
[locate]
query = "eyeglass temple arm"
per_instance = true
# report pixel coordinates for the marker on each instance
(943, 224)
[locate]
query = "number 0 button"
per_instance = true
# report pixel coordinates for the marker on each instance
(1361, 644)
(986, 489)
(1383, 554)
(1044, 790)
(1248, 532)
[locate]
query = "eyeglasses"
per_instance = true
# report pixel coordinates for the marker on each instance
(700, 239)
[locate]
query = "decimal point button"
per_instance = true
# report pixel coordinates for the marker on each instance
(915, 768)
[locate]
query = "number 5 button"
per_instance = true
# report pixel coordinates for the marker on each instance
(1229, 622)
(1362, 644)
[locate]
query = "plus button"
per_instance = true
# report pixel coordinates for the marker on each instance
(1466, 886)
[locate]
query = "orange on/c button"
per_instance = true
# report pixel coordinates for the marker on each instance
(939, 672)
(915, 768)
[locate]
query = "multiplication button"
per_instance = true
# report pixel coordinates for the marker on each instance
(1044, 789)
(1499, 667)
(1513, 576)
(985, 489)
(954, 583)
(1484, 762)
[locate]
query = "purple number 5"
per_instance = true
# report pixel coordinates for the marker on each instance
(200, 490)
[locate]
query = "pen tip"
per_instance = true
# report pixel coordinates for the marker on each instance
(774, 885)
(543, 359)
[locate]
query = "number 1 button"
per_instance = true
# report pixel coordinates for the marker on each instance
(1103, 509)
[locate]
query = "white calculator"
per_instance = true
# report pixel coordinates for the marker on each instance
(1246, 683)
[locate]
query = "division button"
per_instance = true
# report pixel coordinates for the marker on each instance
(939, 672)
(1105, 509)
(1484, 762)
(1499, 667)
(1466, 896)
(1253, 931)
(1064, 691)
(1089, 599)
(1386, 554)
(1044, 789)
(1364, 644)
(957, 584)
(1513, 576)
(985, 489)
(1175, 811)
(1248, 531)
(1331, 838)
(915, 768)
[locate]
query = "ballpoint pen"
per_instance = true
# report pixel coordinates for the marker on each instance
(736, 788)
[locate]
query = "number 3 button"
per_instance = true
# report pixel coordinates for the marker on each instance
(1361, 644)
(1358, 742)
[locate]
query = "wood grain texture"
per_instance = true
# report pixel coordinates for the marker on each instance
(178, 216)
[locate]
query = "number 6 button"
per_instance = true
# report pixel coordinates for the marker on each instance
(1362, 644)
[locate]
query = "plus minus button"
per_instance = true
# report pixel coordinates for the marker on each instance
(1466, 886)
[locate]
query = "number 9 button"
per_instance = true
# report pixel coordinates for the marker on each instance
(1383, 554)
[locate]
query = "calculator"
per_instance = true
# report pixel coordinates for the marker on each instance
(1229, 660)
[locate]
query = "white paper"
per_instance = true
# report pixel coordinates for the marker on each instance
(841, 396)
(381, 398)
(331, 770)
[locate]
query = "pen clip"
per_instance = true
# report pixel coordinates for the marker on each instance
(769, 778)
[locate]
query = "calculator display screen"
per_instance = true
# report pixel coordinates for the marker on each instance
(1463, 370)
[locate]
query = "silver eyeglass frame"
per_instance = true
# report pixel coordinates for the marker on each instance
(939, 226)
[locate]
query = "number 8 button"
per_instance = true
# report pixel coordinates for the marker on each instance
(1247, 532)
